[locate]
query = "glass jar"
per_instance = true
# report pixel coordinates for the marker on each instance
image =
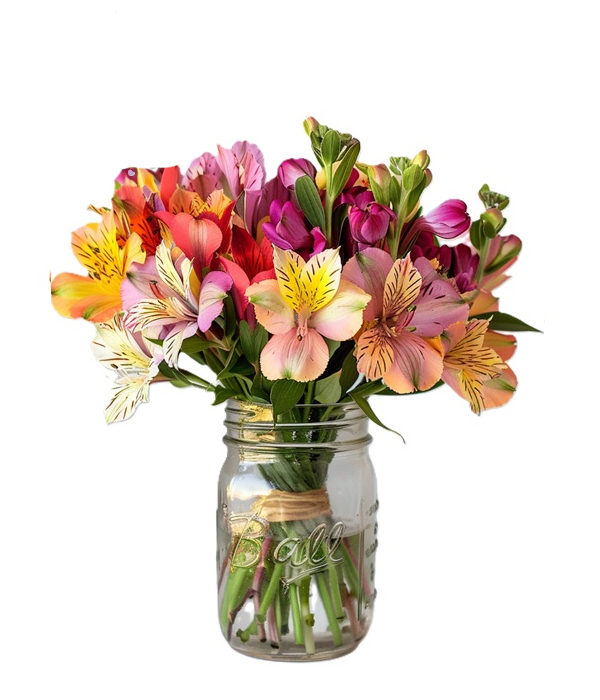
(297, 531)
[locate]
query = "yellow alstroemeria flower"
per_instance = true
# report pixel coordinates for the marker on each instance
(305, 304)
(96, 297)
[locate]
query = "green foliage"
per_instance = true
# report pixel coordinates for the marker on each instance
(285, 395)
(310, 201)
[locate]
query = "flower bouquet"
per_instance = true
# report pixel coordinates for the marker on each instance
(303, 295)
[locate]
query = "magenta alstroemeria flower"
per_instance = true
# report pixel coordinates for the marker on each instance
(459, 262)
(368, 220)
(293, 168)
(287, 230)
(448, 220)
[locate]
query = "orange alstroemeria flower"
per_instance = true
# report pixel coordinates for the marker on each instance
(97, 297)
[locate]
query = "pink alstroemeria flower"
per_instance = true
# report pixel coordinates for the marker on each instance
(410, 306)
(243, 169)
(293, 168)
(172, 302)
(309, 301)
(203, 175)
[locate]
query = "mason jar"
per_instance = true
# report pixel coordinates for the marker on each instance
(297, 531)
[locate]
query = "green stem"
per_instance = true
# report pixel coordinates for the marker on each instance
(328, 205)
(334, 626)
(308, 619)
(350, 570)
(483, 254)
(232, 596)
(271, 589)
(296, 616)
(336, 596)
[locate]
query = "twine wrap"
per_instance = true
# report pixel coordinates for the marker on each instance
(284, 506)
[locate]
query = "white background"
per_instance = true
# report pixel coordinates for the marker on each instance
(488, 565)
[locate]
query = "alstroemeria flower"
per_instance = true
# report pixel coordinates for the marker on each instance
(368, 220)
(287, 230)
(136, 365)
(185, 308)
(97, 297)
(199, 239)
(410, 306)
(475, 371)
(252, 262)
(243, 169)
(293, 168)
(502, 254)
(448, 220)
(203, 175)
(459, 261)
(305, 304)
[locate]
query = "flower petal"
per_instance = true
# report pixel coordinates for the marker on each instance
(127, 393)
(343, 316)
(214, 289)
(438, 305)
(272, 310)
(374, 353)
(401, 289)
(368, 270)
(292, 356)
(417, 364)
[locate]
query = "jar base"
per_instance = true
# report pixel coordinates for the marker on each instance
(272, 654)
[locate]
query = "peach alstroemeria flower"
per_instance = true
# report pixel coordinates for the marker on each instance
(307, 302)
(134, 362)
(411, 305)
(97, 297)
(474, 371)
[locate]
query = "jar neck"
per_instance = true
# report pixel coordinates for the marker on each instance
(313, 426)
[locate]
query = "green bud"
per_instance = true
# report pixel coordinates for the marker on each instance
(493, 199)
(379, 179)
(421, 159)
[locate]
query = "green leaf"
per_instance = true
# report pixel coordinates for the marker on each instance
(330, 147)
(240, 368)
(412, 177)
(475, 234)
(344, 169)
(398, 164)
(230, 316)
(261, 388)
(222, 393)
(328, 390)
(252, 342)
(247, 342)
(359, 396)
(493, 199)
(505, 322)
(310, 201)
(395, 193)
(349, 373)
(190, 345)
(285, 394)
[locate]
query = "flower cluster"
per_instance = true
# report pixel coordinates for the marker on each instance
(324, 284)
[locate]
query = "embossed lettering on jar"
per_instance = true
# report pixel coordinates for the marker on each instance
(296, 531)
